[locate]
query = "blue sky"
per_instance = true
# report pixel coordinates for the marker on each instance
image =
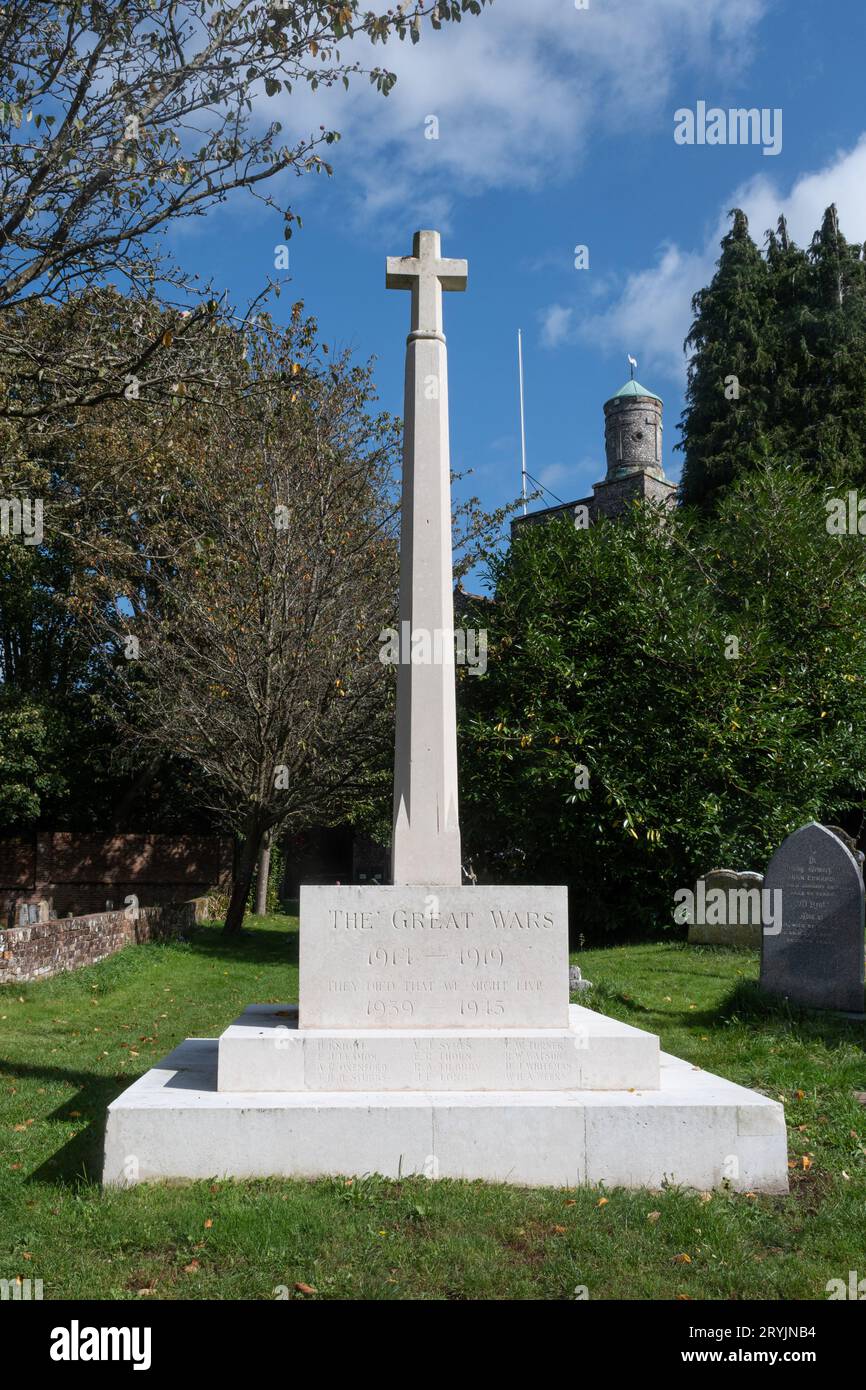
(556, 129)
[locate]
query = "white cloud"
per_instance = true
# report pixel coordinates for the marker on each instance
(554, 474)
(652, 313)
(842, 182)
(555, 325)
(519, 92)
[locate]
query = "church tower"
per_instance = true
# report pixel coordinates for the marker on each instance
(633, 429)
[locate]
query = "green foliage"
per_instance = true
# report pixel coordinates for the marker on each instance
(29, 742)
(610, 649)
(790, 327)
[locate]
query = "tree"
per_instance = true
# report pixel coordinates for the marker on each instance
(834, 431)
(779, 366)
(119, 118)
(28, 747)
(652, 710)
(728, 394)
(254, 591)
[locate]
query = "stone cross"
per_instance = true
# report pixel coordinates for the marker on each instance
(426, 841)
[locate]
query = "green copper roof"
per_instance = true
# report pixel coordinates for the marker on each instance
(634, 388)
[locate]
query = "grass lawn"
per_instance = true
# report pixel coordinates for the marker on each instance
(69, 1045)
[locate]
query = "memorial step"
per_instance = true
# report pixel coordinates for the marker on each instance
(697, 1130)
(266, 1051)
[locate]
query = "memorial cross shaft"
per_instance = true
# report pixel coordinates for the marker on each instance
(426, 840)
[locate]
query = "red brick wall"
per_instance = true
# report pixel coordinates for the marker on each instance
(48, 948)
(18, 863)
(79, 873)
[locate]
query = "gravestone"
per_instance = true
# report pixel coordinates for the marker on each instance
(738, 921)
(434, 1033)
(815, 955)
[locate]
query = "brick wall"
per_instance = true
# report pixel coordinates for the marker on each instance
(81, 873)
(48, 948)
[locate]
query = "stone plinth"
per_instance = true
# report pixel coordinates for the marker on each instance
(266, 1051)
(395, 956)
(696, 1130)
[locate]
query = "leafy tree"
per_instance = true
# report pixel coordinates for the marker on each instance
(611, 651)
(119, 118)
(254, 587)
(28, 760)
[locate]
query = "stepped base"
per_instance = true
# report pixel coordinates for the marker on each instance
(696, 1130)
(266, 1051)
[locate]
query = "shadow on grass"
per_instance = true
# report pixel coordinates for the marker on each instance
(80, 1158)
(253, 946)
(747, 1003)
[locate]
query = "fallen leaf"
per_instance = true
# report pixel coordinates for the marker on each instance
(800, 1095)
(682, 1259)
(306, 1288)
(208, 1224)
(559, 1230)
(807, 1163)
(653, 1217)
(602, 1201)
(192, 1268)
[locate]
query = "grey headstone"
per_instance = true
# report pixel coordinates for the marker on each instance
(816, 958)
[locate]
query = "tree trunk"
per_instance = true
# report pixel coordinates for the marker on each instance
(244, 877)
(263, 876)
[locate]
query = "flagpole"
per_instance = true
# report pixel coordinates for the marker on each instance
(522, 419)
